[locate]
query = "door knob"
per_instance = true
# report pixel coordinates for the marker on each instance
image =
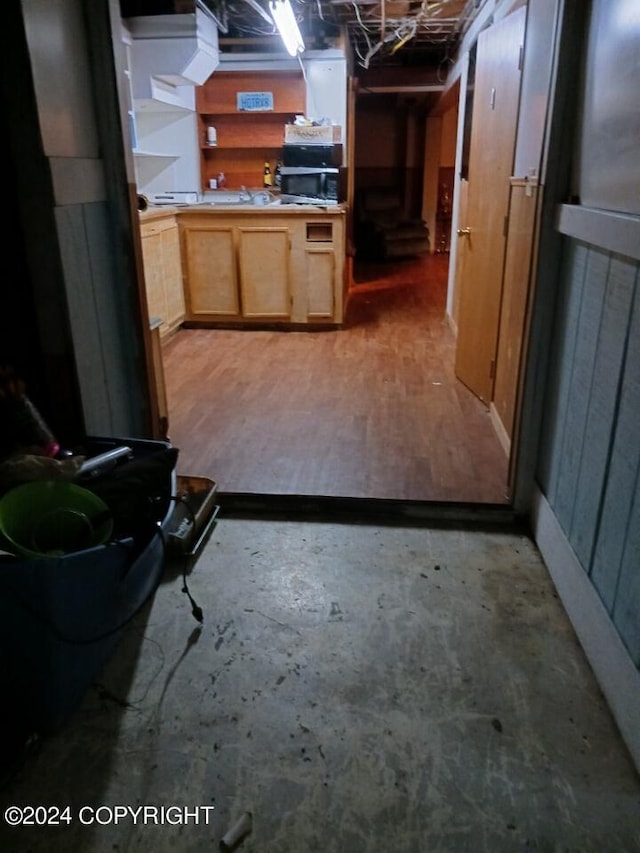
(463, 231)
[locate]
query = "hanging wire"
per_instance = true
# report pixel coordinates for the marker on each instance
(364, 60)
(356, 9)
(391, 33)
(302, 68)
(219, 13)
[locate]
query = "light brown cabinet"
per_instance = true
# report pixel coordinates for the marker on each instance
(267, 267)
(163, 272)
(236, 271)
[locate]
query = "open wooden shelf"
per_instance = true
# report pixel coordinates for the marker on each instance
(245, 140)
(246, 130)
(218, 95)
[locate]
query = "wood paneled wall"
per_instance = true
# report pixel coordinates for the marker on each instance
(589, 468)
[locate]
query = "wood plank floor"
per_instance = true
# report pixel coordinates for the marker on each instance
(372, 410)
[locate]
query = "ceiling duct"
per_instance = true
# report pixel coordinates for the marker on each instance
(172, 50)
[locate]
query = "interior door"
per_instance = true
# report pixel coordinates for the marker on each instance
(482, 236)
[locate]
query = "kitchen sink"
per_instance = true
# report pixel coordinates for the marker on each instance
(257, 198)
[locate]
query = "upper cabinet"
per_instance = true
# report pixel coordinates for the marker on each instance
(248, 111)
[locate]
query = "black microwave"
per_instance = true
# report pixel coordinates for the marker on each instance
(311, 155)
(309, 184)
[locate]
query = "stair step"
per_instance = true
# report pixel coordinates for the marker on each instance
(397, 248)
(410, 232)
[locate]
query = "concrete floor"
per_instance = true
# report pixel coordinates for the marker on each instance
(358, 689)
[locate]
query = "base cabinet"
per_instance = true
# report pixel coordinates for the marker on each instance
(237, 272)
(163, 273)
(257, 268)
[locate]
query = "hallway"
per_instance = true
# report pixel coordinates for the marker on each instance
(372, 410)
(359, 689)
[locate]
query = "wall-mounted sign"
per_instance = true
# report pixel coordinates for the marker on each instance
(254, 101)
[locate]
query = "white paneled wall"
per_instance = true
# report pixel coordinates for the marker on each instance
(327, 89)
(609, 162)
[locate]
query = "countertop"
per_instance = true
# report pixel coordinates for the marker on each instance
(205, 207)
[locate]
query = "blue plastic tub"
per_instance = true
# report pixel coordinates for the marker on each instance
(61, 617)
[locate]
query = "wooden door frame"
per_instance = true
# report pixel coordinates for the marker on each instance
(555, 188)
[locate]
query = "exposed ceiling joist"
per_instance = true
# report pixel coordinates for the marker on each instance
(380, 32)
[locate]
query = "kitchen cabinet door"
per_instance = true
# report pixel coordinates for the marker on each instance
(172, 274)
(263, 254)
(163, 273)
(212, 285)
(154, 273)
(321, 287)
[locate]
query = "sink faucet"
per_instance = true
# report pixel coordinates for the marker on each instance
(245, 193)
(263, 197)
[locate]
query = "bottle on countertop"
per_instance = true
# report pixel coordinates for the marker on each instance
(278, 175)
(267, 177)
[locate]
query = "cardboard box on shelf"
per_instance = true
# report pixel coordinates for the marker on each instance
(309, 134)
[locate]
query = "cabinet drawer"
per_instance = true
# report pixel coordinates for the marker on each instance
(157, 225)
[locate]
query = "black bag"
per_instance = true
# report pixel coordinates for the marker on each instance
(138, 492)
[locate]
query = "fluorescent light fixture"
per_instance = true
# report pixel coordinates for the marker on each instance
(285, 21)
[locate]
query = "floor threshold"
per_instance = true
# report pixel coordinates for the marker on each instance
(351, 510)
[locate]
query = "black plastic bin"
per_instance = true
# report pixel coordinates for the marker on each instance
(61, 617)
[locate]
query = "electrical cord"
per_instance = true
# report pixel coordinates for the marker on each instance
(196, 610)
